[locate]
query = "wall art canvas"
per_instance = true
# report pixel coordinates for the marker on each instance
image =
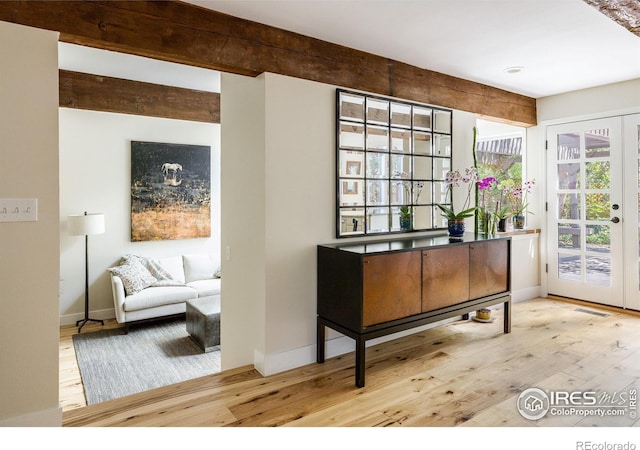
(170, 191)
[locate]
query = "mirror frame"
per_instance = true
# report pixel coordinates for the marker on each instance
(379, 172)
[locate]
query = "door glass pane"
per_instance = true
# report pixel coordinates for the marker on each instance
(569, 176)
(568, 206)
(568, 146)
(598, 206)
(599, 238)
(597, 143)
(569, 266)
(598, 270)
(597, 175)
(569, 235)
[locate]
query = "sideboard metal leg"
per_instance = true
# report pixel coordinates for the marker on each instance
(320, 341)
(507, 316)
(360, 362)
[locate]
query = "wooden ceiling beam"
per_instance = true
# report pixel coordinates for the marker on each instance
(100, 93)
(184, 33)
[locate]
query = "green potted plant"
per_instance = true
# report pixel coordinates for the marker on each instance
(501, 217)
(455, 220)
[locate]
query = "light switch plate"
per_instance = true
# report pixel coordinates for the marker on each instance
(18, 209)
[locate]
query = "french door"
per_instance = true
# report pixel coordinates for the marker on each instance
(592, 211)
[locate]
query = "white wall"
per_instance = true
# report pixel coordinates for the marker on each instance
(95, 176)
(610, 100)
(274, 220)
(29, 262)
(242, 117)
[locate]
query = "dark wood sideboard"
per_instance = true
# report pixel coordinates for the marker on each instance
(375, 288)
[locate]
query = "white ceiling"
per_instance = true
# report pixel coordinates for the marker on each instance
(129, 67)
(563, 45)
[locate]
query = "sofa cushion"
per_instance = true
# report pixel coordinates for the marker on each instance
(173, 265)
(135, 277)
(198, 267)
(206, 288)
(158, 296)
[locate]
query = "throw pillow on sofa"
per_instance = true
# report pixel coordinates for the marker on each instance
(155, 267)
(135, 277)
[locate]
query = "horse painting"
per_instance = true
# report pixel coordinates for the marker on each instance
(171, 167)
(170, 191)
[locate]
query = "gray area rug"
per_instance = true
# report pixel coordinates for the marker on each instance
(113, 364)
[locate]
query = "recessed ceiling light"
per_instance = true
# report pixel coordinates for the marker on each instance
(514, 69)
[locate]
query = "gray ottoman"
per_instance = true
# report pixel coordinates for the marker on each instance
(203, 322)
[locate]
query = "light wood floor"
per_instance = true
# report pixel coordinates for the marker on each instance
(460, 374)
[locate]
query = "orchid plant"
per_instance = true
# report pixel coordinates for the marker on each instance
(517, 196)
(455, 179)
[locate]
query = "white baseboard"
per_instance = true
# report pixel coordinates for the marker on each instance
(47, 418)
(525, 294)
(104, 314)
(291, 359)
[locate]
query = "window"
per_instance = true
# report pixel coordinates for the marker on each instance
(499, 154)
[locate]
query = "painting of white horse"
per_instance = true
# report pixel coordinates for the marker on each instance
(170, 191)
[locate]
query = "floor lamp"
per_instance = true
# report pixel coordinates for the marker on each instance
(85, 225)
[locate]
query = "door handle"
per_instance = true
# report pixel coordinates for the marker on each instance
(615, 219)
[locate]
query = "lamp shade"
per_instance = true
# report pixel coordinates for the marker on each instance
(86, 224)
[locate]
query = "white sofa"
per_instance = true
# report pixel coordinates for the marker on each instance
(148, 288)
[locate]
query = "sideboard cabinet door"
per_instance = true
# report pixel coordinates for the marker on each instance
(489, 268)
(391, 287)
(445, 277)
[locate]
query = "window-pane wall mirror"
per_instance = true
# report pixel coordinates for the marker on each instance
(392, 158)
